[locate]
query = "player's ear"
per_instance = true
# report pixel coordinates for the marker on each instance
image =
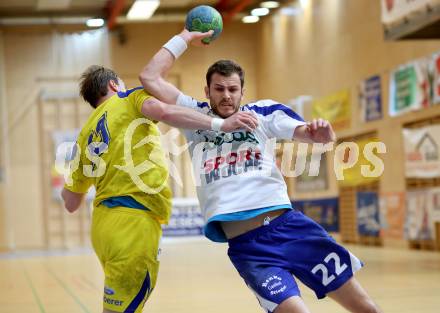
(242, 93)
(207, 92)
(113, 86)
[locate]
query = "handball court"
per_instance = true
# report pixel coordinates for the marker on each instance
(196, 276)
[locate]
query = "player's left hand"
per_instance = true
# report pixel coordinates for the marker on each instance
(195, 38)
(240, 120)
(321, 131)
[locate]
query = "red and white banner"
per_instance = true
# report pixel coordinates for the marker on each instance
(434, 205)
(435, 74)
(395, 10)
(423, 211)
(422, 151)
(418, 224)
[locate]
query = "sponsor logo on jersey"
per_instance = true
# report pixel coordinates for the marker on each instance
(113, 301)
(108, 291)
(219, 138)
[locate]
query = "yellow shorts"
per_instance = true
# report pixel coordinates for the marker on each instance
(126, 242)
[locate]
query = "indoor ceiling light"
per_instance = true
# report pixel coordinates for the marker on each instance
(270, 4)
(250, 19)
(95, 22)
(260, 12)
(304, 3)
(291, 11)
(142, 9)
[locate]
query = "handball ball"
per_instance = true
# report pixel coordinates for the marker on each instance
(204, 18)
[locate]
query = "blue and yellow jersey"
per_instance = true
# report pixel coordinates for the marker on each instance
(118, 150)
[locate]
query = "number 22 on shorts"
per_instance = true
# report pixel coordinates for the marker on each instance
(326, 279)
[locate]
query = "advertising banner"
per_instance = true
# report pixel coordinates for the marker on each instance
(368, 214)
(409, 87)
(353, 175)
(418, 224)
(422, 151)
(335, 108)
(434, 206)
(307, 183)
(370, 99)
(434, 69)
(395, 10)
(186, 218)
(392, 215)
(323, 211)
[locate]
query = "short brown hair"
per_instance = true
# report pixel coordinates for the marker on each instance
(225, 68)
(94, 81)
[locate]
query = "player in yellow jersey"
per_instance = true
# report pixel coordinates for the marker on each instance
(118, 151)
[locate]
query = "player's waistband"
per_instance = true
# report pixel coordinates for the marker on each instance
(126, 210)
(272, 223)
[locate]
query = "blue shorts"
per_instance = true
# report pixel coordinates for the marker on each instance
(292, 244)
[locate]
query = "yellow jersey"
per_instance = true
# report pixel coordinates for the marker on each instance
(119, 152)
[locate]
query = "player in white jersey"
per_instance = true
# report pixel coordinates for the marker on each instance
(244, 197)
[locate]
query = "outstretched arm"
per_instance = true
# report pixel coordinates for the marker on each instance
(182, 117)
(153, 75)
(319, 131)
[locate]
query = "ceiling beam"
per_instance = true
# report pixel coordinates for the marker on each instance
(229, 13)
(49, 5)
(222, 5)
(114, 9)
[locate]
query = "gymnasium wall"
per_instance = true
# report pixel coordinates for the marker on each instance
(30, 62)
(331, 46)
(2, 149)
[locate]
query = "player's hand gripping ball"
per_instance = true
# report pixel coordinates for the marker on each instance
(204, 18)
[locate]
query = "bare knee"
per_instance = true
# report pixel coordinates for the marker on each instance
(354, 298)
(292, 305)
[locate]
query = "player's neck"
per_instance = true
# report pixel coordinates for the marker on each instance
(107, 96)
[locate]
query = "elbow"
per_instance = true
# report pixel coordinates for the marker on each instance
(149, 83)
(70, 204)
(70, 207)
(144, 79)
(147, 78)
(159, 111)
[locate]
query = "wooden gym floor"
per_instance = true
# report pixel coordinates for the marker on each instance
(196, 276)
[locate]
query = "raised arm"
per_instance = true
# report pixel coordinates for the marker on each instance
(318, 130)
(153, 75)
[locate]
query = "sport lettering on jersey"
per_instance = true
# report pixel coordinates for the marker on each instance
(234, 163)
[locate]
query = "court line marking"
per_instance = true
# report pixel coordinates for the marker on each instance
(68, 290)
(34, 291)
(45, 253)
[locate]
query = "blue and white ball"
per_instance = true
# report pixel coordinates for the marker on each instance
(204, 18)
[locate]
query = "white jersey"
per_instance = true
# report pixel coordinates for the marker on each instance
(236, 171)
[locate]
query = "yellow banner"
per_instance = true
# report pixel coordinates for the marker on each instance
(353, 176)
(335, 108)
